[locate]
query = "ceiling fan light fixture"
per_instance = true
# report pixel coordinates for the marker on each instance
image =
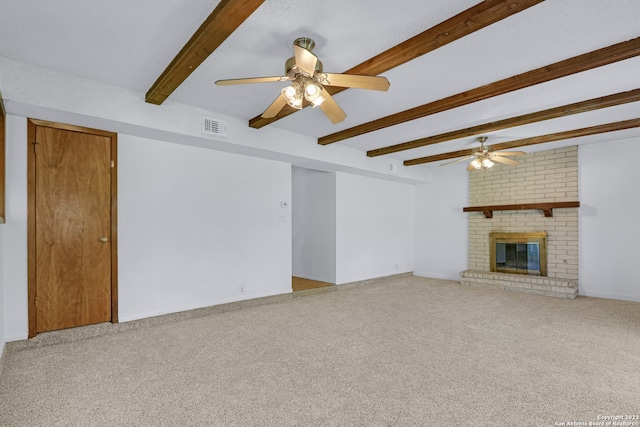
(487, 163)
(289, 93)
(312, 93)
(484, 158)
(293, 95)
(483, 161)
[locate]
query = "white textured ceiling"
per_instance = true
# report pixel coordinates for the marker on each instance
(129, 44)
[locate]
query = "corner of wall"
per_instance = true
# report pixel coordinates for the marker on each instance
(2, 351)
(2, 215)
(2, 299)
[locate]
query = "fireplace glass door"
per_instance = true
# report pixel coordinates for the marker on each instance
(519, 253)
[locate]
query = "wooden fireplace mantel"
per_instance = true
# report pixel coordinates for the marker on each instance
(544, 207)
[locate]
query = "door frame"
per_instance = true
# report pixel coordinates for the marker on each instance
(31, 215)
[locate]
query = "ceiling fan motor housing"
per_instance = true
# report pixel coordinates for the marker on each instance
(305, 43)
(291, 71)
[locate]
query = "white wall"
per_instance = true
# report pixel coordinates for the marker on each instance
(2, 297)
(15, 231)
(194, 226)
(441, 231)
(374, 228)
(609, 183)
(313, 210)
(198, 227)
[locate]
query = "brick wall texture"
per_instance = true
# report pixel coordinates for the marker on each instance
(547, 176)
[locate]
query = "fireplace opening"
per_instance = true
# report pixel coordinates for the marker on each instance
(519, 253)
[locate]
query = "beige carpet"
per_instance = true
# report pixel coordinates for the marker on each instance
(416, 352)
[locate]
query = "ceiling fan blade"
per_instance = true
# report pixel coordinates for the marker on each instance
(331, 108)
(275, 107)
(305, 60)
(457, 160)
(358, 81)
(504, 160)
(251, 80)
(511, 153)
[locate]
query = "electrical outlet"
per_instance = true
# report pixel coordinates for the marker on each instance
(242, 289)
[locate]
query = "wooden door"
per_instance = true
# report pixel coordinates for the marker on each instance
(72, 228)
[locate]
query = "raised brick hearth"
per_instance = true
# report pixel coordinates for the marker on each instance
(551, 287)
(547, 176)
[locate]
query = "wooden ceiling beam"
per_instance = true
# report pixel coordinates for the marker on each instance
(552, 113)
(224, 20)
(473, 19)
(559, 136)
(597, 58)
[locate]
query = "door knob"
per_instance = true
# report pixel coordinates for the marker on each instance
(104, 239)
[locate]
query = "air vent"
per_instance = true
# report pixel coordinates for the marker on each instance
(214, 126)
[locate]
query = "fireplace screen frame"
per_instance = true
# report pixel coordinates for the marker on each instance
(539, 237)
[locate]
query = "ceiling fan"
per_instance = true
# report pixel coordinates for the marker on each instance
(305, 72)
(484, 158)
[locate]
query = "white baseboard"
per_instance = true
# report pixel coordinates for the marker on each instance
(172, 310)
(583, 293)
(2, 352)
(17, 337)
(455, 278)
(350, 280)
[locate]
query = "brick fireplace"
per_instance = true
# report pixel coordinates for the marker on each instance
(543, 177)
